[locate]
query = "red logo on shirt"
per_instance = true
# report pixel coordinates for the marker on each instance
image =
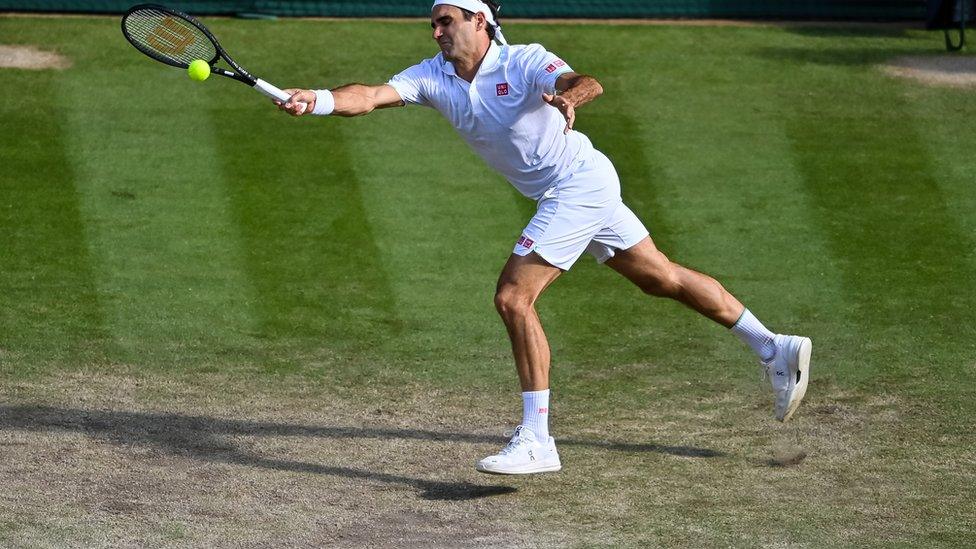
(501, 89)
(555, 65)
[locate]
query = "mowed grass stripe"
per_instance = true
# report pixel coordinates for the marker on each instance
(49, 310)
(322, 293)
(943, 119)
(153, 201)
(730, 187)
(738, 198)
(872, 181)
(311, 258)
(442, 224)
(618, 311)
(445, 227)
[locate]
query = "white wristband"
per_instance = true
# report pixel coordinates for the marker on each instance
(324, 102)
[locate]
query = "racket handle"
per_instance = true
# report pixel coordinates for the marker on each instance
(273, 91)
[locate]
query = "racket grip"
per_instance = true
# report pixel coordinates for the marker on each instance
(273, 91)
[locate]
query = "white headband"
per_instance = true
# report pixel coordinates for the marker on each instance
(475, 6)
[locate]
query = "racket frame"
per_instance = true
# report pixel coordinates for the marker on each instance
(241, 75)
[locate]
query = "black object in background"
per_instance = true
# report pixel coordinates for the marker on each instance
(949, 15)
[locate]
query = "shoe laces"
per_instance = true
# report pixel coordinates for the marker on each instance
(516, 441)
(765, 367)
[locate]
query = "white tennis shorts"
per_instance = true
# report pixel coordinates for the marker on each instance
(582, 214)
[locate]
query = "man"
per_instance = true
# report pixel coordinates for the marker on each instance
(515, 106)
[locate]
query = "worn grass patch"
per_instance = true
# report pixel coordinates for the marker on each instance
(91, 459)
(31, 58)
(943, 70)
(99, 460)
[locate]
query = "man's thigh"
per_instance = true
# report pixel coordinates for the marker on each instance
(529, 274)
(642, 263)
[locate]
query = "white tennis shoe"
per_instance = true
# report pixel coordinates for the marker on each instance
(522, 456)
(789, 371)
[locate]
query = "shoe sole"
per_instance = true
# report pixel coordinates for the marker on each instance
(520, 471)
(802, 366)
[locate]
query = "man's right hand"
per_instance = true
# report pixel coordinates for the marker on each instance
(293, 105)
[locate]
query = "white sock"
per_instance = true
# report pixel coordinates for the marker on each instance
(535, 413)
(753, 333)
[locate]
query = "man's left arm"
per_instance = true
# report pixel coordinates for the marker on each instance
(575, 90)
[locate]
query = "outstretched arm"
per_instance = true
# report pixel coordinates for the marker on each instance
(350, 100)
(576, 90)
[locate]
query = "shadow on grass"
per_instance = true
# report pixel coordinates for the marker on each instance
(128, 427)
(199, 437)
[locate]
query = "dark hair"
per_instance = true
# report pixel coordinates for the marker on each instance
(494, 7)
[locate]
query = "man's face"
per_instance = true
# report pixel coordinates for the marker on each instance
(456, 37)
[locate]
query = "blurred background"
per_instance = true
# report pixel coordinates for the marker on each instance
(830, 9)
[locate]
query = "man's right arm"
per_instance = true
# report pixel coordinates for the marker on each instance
(350, 100)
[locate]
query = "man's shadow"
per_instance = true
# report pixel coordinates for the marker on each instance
(200, 437)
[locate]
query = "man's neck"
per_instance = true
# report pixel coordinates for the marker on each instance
(468, 68)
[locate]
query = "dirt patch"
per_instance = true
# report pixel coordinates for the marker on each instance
(159, 463)
(31, 58)
(945, 70)
(787, 455)
(133, 459)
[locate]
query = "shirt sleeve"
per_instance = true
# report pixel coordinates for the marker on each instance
(411, 84)
(543, 67)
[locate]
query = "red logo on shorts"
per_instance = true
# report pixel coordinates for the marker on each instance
(555, 65)
(525, 241)
(501, 89)
(543, 410)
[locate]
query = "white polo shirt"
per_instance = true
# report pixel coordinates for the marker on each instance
(501, 113)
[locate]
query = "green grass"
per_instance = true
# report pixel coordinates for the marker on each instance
(156, 228)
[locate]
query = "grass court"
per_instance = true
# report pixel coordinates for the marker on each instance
(223, 326)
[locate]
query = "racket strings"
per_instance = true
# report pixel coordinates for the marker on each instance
(168, 38)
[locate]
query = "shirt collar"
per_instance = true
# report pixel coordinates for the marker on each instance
(491, 58)
(488, 63)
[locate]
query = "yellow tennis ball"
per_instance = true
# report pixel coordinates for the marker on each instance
(198, 70)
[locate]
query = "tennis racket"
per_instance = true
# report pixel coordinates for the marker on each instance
(177, 39)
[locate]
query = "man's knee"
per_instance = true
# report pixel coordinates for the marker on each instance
(511, 301)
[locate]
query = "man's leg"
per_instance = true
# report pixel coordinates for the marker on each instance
(531, 449)
(522, 281)
(786, 358)
(655, 274)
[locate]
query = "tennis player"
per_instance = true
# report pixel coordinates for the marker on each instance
(515, 105)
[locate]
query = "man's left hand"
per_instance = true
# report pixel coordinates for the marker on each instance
(565, 106)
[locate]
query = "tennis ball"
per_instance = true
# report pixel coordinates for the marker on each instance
(198, 70)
